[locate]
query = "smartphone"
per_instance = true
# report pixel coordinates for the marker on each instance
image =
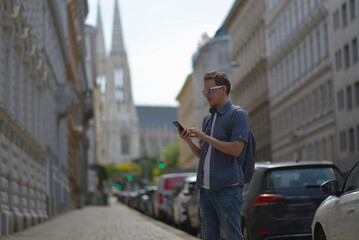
(179, 125)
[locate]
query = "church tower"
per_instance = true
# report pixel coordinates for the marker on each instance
(120, 137)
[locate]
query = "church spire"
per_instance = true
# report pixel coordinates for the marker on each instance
(100, 41)
(117, 38)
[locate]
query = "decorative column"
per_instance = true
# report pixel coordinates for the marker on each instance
(24, 183)
(31, 188)
(6, 217)
(14, 179)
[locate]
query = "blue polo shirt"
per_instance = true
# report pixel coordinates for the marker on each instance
(225, 170)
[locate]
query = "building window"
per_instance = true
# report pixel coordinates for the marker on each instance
(352, 9)
(285, 25)
(321, 99)
(336, 20)
(287, 71)
(344, 15)
(351, 140)
(340, 100)
(324, 143)
(307, 106)
(338, 59)
(349, 98)
(293, 67)
(343, 141)
(305, 57)
(316, 151)
(125, 146)
(329, 96)
(308, 6)
(332, 148)
(326, 44)
(318, 46)
(290, 20)
(299, 63)
(355, 50)
(314, 94)
(346, 56)
(311, 51)
(302, 9)
(357, 94)
(296, 13)
(310, 152)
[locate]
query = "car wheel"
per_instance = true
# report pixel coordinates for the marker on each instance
(319, 234)
(245, 232)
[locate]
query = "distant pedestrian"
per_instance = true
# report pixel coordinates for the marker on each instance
(220, 176)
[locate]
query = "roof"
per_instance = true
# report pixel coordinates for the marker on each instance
(291, 164)
(156, 116)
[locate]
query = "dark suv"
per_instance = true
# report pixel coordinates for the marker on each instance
(281, 199)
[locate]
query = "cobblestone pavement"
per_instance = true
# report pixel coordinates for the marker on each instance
(117, 222)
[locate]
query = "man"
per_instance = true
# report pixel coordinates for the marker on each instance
(220, 175)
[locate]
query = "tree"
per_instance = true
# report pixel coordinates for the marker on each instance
(169, 155)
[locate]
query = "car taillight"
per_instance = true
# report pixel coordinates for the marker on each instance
(267, 200)
(263, 232)
(160, 198)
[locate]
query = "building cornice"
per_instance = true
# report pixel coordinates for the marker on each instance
(233, 13)
(55, 14)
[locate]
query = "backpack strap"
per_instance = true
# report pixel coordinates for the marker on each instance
(228, 117)
(206, 121)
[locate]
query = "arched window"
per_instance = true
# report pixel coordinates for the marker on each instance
(125, 146)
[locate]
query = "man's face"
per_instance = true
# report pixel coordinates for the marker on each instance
(217, 94)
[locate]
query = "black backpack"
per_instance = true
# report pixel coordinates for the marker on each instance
(249, 157)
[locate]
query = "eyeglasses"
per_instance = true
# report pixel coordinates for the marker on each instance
(209, 91)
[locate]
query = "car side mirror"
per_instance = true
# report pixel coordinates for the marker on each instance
(330, 188)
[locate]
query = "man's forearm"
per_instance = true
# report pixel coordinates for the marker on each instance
(194, 148)
(233, 148)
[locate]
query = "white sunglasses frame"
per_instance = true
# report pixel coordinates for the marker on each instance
(209, 91)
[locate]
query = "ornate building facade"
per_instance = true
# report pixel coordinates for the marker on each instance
(246, 25)
(300, 80)
(186, 115)
(343, 26)
(36, 98)
(120, 132)
(212, 54)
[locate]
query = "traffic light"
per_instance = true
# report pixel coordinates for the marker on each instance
(129, 178)
(118, 186)
(161, 165)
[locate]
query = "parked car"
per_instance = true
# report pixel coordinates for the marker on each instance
(165, 186)
(147, 200)
(338, 215)
(281, 199)
(180, 201)
(193, 214)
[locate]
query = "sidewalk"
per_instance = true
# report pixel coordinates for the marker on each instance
(117, 222)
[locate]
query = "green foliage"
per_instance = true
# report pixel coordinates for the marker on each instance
(113, 170)
(170, 155)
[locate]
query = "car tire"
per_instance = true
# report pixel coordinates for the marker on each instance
(319, 234)
(245, 232)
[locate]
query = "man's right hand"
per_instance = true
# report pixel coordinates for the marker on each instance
(184, 134)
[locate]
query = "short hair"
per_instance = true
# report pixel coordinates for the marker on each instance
(220, 78)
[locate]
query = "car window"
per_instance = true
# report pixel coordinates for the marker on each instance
(299, 177)
(352, 182)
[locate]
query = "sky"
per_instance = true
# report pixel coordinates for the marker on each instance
(160, 38)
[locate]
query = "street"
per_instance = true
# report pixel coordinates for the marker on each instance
(115, 222)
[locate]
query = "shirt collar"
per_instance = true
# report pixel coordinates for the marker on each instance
(221, 111)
